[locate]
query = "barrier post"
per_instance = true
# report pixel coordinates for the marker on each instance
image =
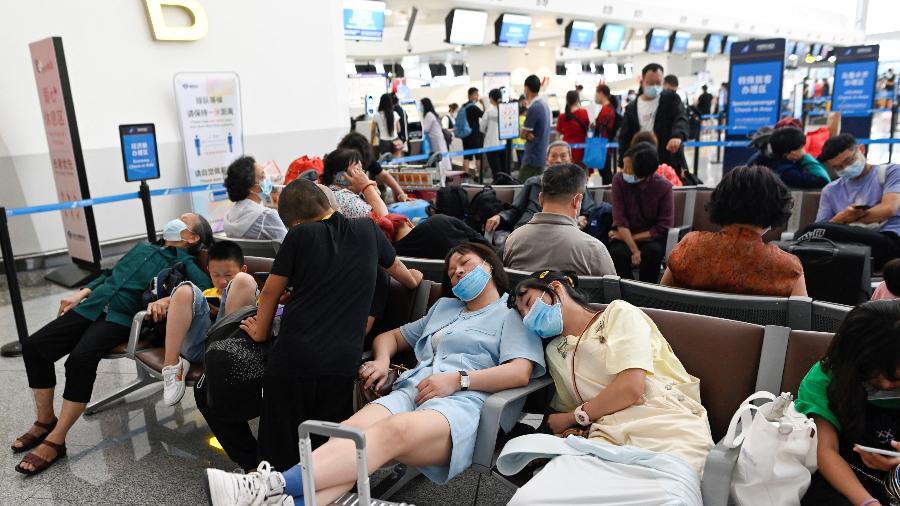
(144, 192)
(697, 159)
(14, 348)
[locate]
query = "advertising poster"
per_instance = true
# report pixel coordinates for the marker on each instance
(209, 112)
(64, 146)
(509, 120)
(499, 80)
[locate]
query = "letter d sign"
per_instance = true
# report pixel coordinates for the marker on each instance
(162, 31)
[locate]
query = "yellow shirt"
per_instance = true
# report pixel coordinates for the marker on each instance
(668, 418)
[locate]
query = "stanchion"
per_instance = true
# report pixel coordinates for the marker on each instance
(13, 349)
(144, 192)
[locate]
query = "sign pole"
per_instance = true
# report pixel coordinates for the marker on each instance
(13, 349)
(144, 192)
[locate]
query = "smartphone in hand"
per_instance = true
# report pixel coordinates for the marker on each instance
(862, 207)
(879, 451)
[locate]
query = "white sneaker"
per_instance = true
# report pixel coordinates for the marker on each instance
(261, 487)
(173, 381)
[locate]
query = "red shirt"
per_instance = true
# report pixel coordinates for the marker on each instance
(574, 131)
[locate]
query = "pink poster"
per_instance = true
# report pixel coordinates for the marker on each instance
(63, 158)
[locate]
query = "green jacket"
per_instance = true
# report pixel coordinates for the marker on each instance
(117, 292)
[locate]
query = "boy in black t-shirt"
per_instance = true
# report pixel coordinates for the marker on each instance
(332, 263)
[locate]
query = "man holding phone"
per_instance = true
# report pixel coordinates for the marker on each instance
(862, 205)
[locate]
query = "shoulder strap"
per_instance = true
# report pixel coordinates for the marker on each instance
(882, 174)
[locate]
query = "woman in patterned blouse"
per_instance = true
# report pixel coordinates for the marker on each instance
(746, 204)
(356, 195)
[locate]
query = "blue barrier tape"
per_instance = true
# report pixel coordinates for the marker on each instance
(709, 116)
(713, 127)
(74, 204)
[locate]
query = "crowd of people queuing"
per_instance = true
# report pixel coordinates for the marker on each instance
(340, 246)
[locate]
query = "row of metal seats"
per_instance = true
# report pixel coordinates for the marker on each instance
(800, 313)
(749, 357)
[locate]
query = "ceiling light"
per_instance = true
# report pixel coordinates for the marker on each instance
(639, 32)
(542, 43)
(832, 59)
(388, 12)
(539, 24)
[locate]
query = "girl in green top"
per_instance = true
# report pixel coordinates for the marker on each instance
(863, 359)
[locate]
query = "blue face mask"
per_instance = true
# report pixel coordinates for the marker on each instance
(652, 91)
(854, 169)
(543, 319)
(629, 178)
(472, 284)
(265, 187)
(172, 230)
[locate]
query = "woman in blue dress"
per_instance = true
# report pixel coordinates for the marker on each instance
(467, 347)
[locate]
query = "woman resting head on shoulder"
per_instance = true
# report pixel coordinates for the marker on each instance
(623, 367)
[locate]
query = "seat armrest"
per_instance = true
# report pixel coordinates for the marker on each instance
(136, 324)
(497, 408)
(717, 471)
(675, 235)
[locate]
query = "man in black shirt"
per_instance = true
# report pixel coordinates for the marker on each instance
(332, 263)
(474, 140)
(704, 101)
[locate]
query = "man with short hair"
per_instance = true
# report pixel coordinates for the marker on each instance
(474, 111)
(704, 101)
(862, 205)
(535, 130)
(527, 202)
(552, 240)
(332, 263)
(660, 111)
(670, 82)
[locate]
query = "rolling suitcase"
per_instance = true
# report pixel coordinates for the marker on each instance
(362, 497)
(840, 273)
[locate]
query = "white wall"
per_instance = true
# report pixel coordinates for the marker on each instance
(290, 59)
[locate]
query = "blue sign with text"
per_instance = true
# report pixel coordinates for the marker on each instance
(854, 88)
(139, 151)
(362, 24)
(753, 96)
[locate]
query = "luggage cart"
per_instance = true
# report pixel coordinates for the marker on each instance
(363, 495)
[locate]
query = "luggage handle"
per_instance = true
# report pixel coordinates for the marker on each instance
(824, 256)
(331, 429)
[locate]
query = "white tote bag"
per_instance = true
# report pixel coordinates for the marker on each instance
(777, 458)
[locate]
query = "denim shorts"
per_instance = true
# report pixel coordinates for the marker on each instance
(194, 344)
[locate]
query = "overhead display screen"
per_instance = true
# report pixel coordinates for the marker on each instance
(611, 37)
(511, 30)
(363, 20)
(466, 27)
(580, 34)
(680, 40)
(658, 40)
(713, 43)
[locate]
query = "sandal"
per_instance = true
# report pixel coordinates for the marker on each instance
(30, 441)
(41, 465)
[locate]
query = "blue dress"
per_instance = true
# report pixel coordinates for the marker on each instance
(469, 341)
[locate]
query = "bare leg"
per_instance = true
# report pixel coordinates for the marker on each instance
(178, 321)
(420, 438)
(68, 415)
(43, 403)
(241, 292)
(465, 165)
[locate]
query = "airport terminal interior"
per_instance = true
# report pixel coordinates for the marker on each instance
(527, 252)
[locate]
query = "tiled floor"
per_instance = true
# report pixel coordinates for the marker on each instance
(140, 452)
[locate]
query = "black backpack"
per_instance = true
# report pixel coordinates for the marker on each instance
(452, 201)
(504, 178)
(484, 205)
(235, 365)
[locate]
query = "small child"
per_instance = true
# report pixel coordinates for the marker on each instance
(891, 284)
(189, 313)
(796, 167)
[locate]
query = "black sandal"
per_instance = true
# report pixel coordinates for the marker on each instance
(30, 441)
(39, 463)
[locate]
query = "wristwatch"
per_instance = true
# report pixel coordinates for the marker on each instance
(463, 380)
(582, 417)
